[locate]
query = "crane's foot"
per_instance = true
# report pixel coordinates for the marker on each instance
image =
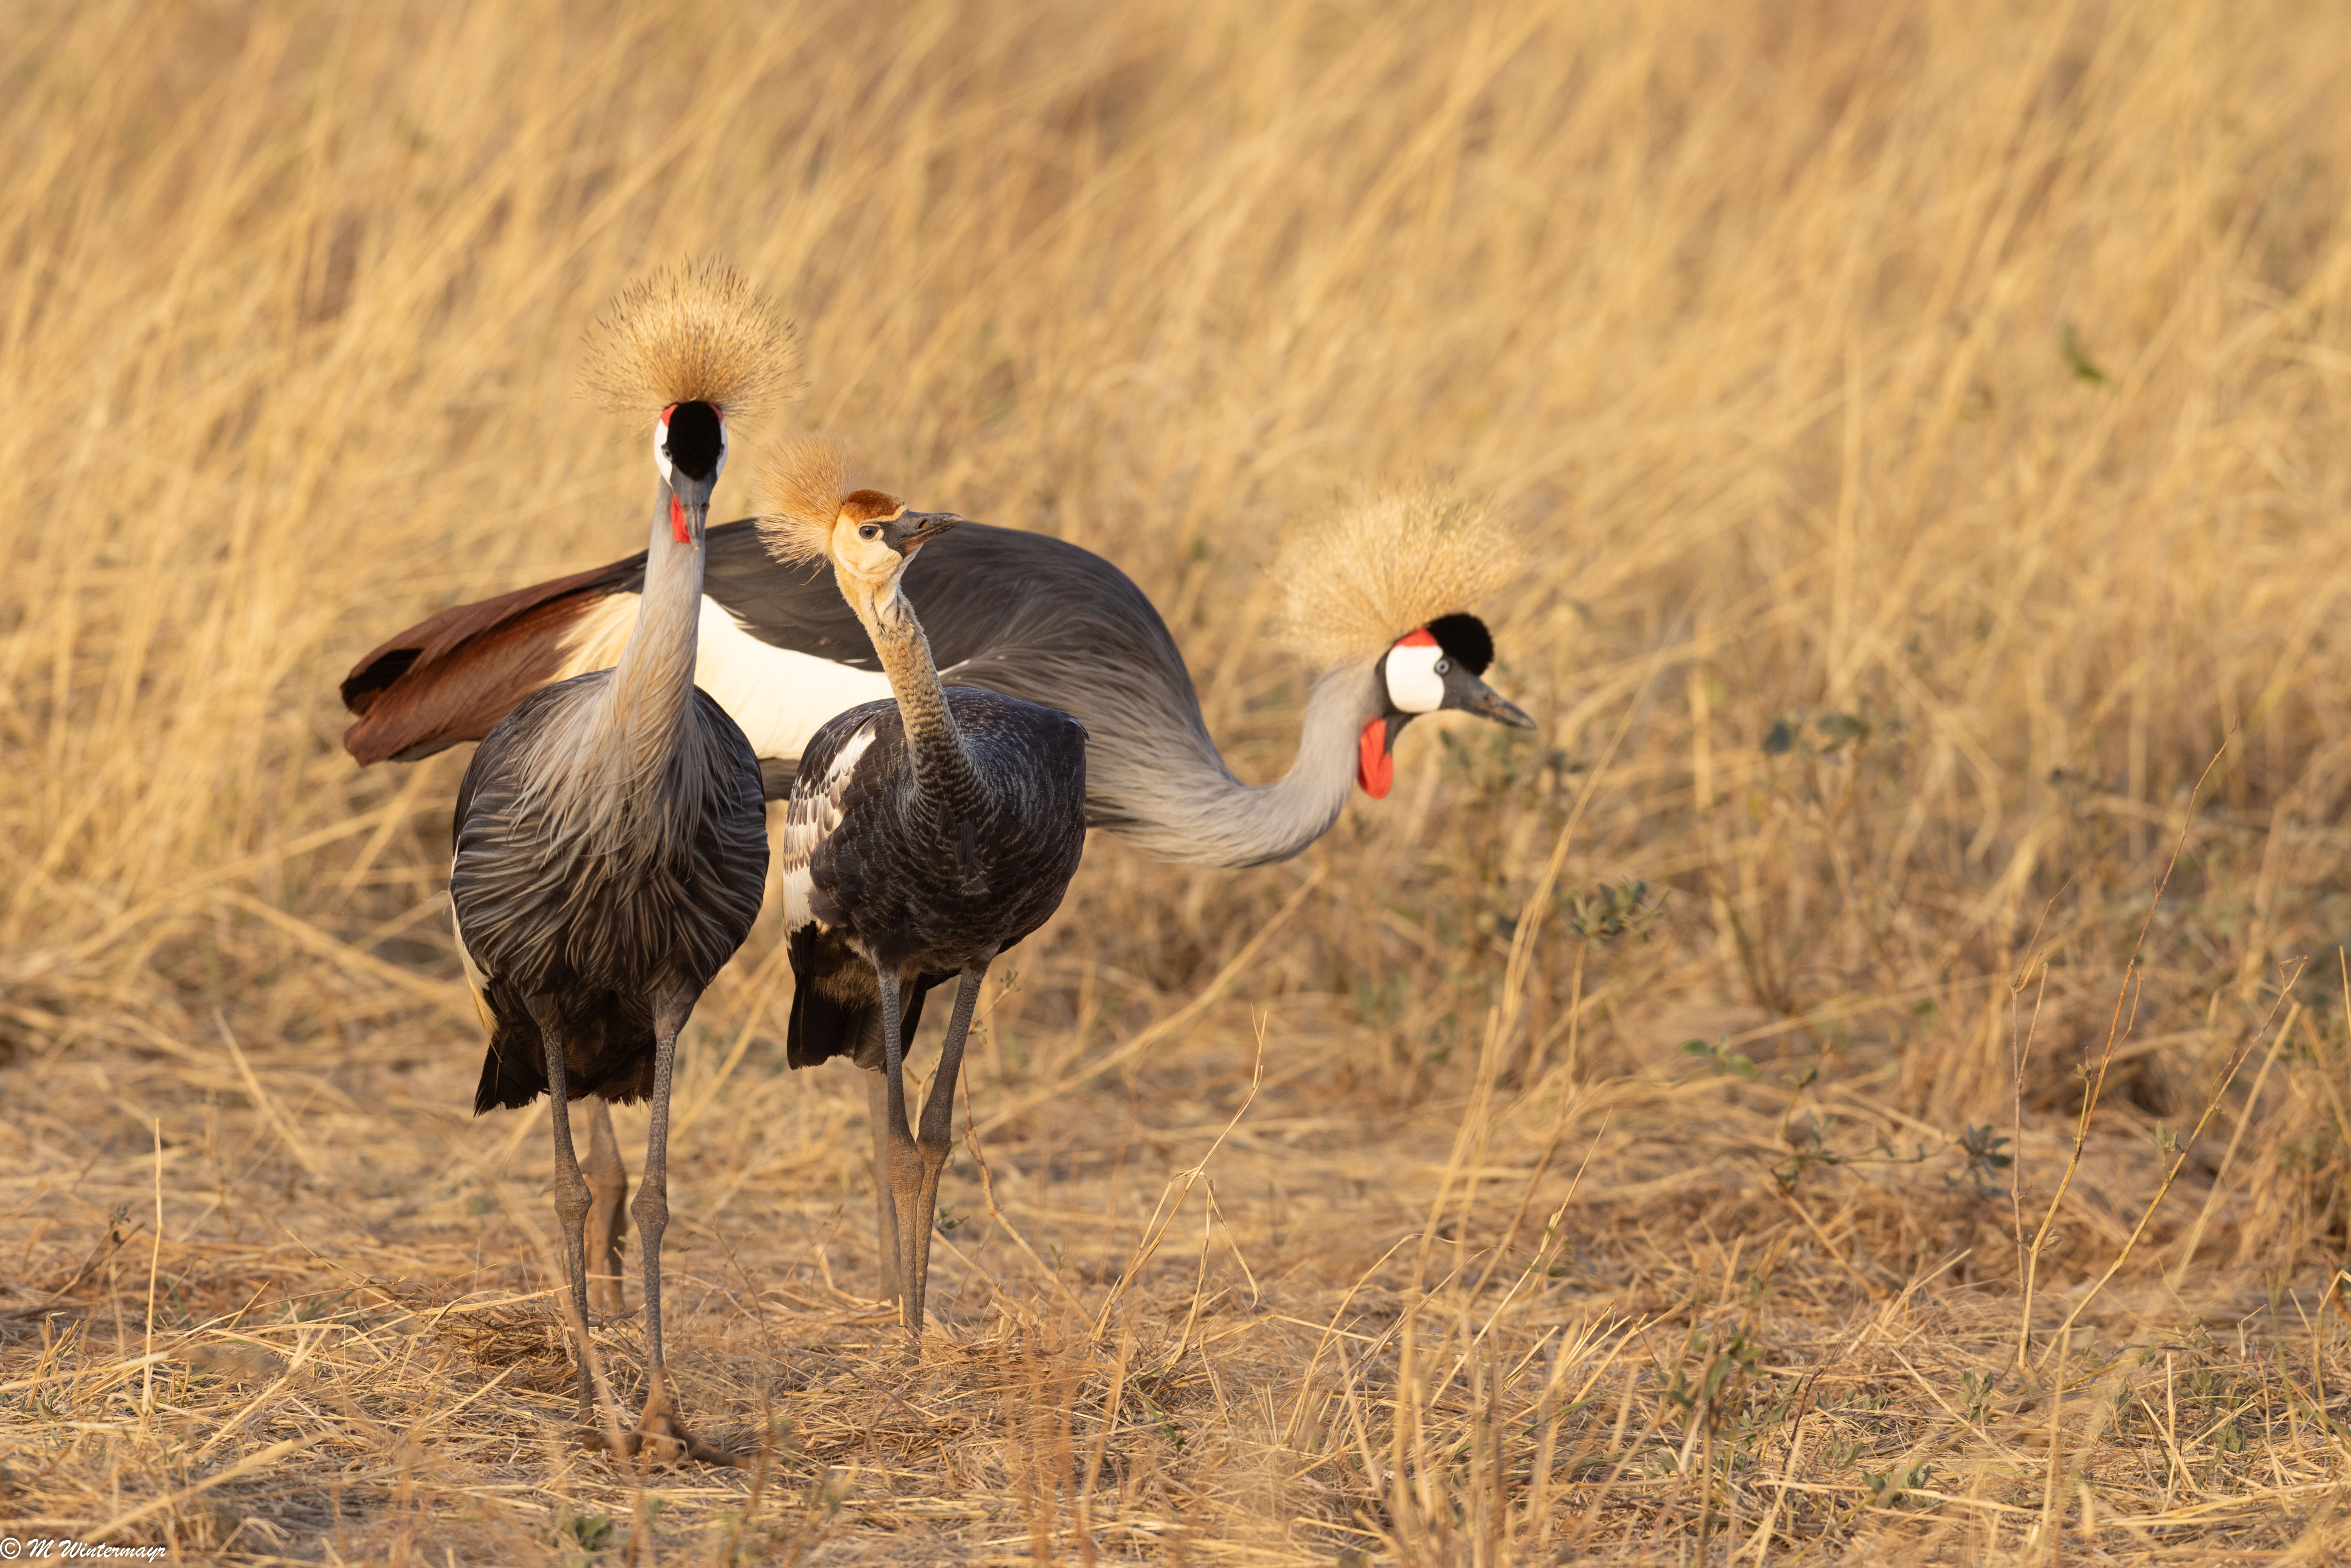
(660, 1439)
(671, 1445)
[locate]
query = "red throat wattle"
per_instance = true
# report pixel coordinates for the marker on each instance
(1374, 765)
(677, 521)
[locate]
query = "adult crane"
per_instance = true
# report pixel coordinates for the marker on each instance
(928, 832)
(1016, 613)
(610, 835)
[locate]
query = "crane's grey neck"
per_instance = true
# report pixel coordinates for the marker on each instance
(598, 765)
(653, 682)
(1186, 805)
(944, 772)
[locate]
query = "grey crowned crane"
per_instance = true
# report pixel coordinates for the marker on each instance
(611, 835)
(1016, 612)
(926, 833)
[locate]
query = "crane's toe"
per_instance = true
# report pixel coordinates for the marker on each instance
(660, 1439)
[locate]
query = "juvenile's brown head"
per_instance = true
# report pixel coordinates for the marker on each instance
(813, 515)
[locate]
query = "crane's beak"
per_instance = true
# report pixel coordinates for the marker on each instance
(910, 531)
(1465, 693)
(689, 507)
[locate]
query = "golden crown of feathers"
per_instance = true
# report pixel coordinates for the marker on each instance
(1395, 561)
(694, 332)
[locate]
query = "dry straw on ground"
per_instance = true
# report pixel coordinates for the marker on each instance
(1926, 423)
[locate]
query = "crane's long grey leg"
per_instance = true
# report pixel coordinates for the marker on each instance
(659, 1427)
(877, 1114)
(652, 1212)
(905, 1175)
(571, 1201)
(608, 1217)
(935, 1139)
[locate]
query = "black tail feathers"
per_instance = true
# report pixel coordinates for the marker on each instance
(823, 1025)
(608, 1049)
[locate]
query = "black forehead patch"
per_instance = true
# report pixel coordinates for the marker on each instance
(1465, 639)
(695, 439)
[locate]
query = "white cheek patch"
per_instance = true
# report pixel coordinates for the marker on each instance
(661, 451)
(1413, 684)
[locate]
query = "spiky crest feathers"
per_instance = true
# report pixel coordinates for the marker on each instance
(806, 485)
(694, 332)
(1393, 564)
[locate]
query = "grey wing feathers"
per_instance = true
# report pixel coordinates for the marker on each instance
(546, 915)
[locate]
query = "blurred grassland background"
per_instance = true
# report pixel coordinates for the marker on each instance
(1928, 422)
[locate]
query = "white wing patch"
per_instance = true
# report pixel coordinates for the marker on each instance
(780, 697)
(812, 815)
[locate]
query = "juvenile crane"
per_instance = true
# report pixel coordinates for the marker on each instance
(925, 835)
(611, 843)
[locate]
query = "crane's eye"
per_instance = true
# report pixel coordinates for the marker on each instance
(870, 531)
(1443, 665)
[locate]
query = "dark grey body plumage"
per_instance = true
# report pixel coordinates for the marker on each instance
(923, 882)
(598, 932)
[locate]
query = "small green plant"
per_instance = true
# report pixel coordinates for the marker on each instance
(1808, 1145)
(1379, 1005)
(579, 1536)
(1709, 1383)
(1725, 1062)
(1842, 729)
(1892, 1488)
(1613, 910)
(1837, 733)
(2079, 362)
(948, 1220)
(1982, 1148)
(1976, 1390)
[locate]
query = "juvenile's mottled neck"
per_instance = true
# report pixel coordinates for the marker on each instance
(943, 769)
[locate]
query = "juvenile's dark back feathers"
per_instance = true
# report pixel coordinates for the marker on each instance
(888, 875)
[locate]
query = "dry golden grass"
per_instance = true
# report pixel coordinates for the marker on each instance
(1926, 421)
